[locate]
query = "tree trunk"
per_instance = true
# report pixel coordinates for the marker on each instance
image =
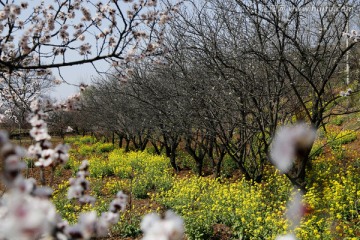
(218, 169)
(156, 148)
(199, 166)
(297, 173)
(173, 162)
(127, 146)
(121, 138)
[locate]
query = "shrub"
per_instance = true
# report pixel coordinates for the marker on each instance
(148, 172)
(185, 161)
(129, 224)
(104, 147)
(113, 186)
(100, 167)
(338, 120)
(337, 212)
(87, 139)
(67, 209)
(85, 149)
(228, 166)
(71, 140)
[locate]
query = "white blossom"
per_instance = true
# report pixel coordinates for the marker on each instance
(27, 217)
(290, 236)
(295, 209)
(286, 142)
(169, 228)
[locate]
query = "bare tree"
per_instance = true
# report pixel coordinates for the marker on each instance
(19, 89)
(306, 38)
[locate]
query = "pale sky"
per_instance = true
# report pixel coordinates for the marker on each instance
(75, 75)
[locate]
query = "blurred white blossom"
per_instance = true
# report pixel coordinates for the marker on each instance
(295, 209)
(286, 237)
(171, 227)
(287, 141)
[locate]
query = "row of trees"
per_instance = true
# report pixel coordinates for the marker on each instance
(233, 72)
(220, 80)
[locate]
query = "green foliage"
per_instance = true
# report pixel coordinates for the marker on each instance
(85, 149)
(30, 163)
(141, 186)
(204, 201)
(97, 187)
(87, 139)
(148, 172)
(100, 167)
(317, 148)
(113, 185)
(333, 194)
(185, 161)
(129, 224)
(72, 140)
(104, 147)
(338, 138)
(67, 165)
(228, 166)
(198, 227)
(338, 120)
(68, 209)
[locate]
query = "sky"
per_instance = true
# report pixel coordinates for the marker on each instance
(84, 73)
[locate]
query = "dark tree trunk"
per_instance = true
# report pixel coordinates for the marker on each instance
(121, 138)
(199, 166)
(127, 144)
(157, 149)
(218, 168)
(297, 173)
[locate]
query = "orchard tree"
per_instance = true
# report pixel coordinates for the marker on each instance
(19, 89)
(308, 49)
(237, 97)
(277, 60)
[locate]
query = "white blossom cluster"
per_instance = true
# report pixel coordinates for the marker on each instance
(353, 36)
(346, 93)
(26, 217)
(79, 185)
(90, 226)
(171, 227)
(12, 164)
(58, 31)
(287, 141)
(41, 150)
(72, 103)
(26, 213)
(20, 88)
